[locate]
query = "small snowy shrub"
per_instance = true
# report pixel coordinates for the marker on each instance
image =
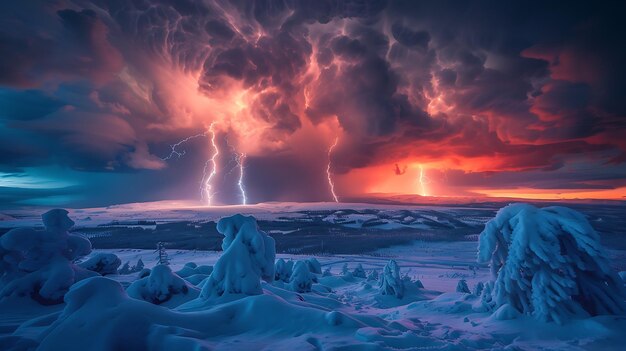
(327, 272)
(39, 263)
(372, 276)
(390, 282)
(302, 278)
(549, 263)
(248, 257)
(161, 286)
(344, 269)
(462, 287)
(314, 265)
(102, 263)
(283, 270)
(359, 272)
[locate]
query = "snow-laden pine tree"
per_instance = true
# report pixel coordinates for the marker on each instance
(390, 282)
(373, 275)
(301, 278)
(462, 287)
(125, 268)
(40, 263)
(344, 269)
(549, 263)
(248, 257)
(359, 272)
(283, 270)
(314, 265)
(138, 267)
(478, 288)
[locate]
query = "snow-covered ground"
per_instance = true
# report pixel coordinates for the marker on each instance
(341, 312)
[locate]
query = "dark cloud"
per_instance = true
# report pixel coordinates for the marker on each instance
(92, 85)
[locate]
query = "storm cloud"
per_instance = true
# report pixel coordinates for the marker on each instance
(469, 87)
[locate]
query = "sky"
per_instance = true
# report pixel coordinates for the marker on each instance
(107, 102)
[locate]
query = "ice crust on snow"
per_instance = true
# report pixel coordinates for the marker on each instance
(39, 264)
(549, 263)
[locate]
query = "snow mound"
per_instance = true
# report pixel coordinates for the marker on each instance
(549, 263)
(163, 287)
(302, 278)
(191, 269)
(39, 263)
(102, 263)
(248, 257)
(390, 282)
(114, 321)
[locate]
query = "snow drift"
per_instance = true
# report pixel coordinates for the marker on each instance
(549, 263)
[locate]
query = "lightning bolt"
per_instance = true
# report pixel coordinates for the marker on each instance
(206, 190)
(240, 159)
(328, 173)
(182, 153)
(423, 180)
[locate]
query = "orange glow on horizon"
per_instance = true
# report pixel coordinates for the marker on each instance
(555, 194)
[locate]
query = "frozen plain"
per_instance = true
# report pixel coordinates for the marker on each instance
(342, 312)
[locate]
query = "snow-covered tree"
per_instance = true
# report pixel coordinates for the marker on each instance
(462, 287)
(478, 289)
(125, 268)
(162, 257)
(39, 263)
(248, 257)
(344, 269)
(283, 270)
(549, 263)
(102, 263)
(390, 282)
(138, 267)
(302, 278)
(359, 272)
(373, 275)
(161, 286)
(314, 265)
